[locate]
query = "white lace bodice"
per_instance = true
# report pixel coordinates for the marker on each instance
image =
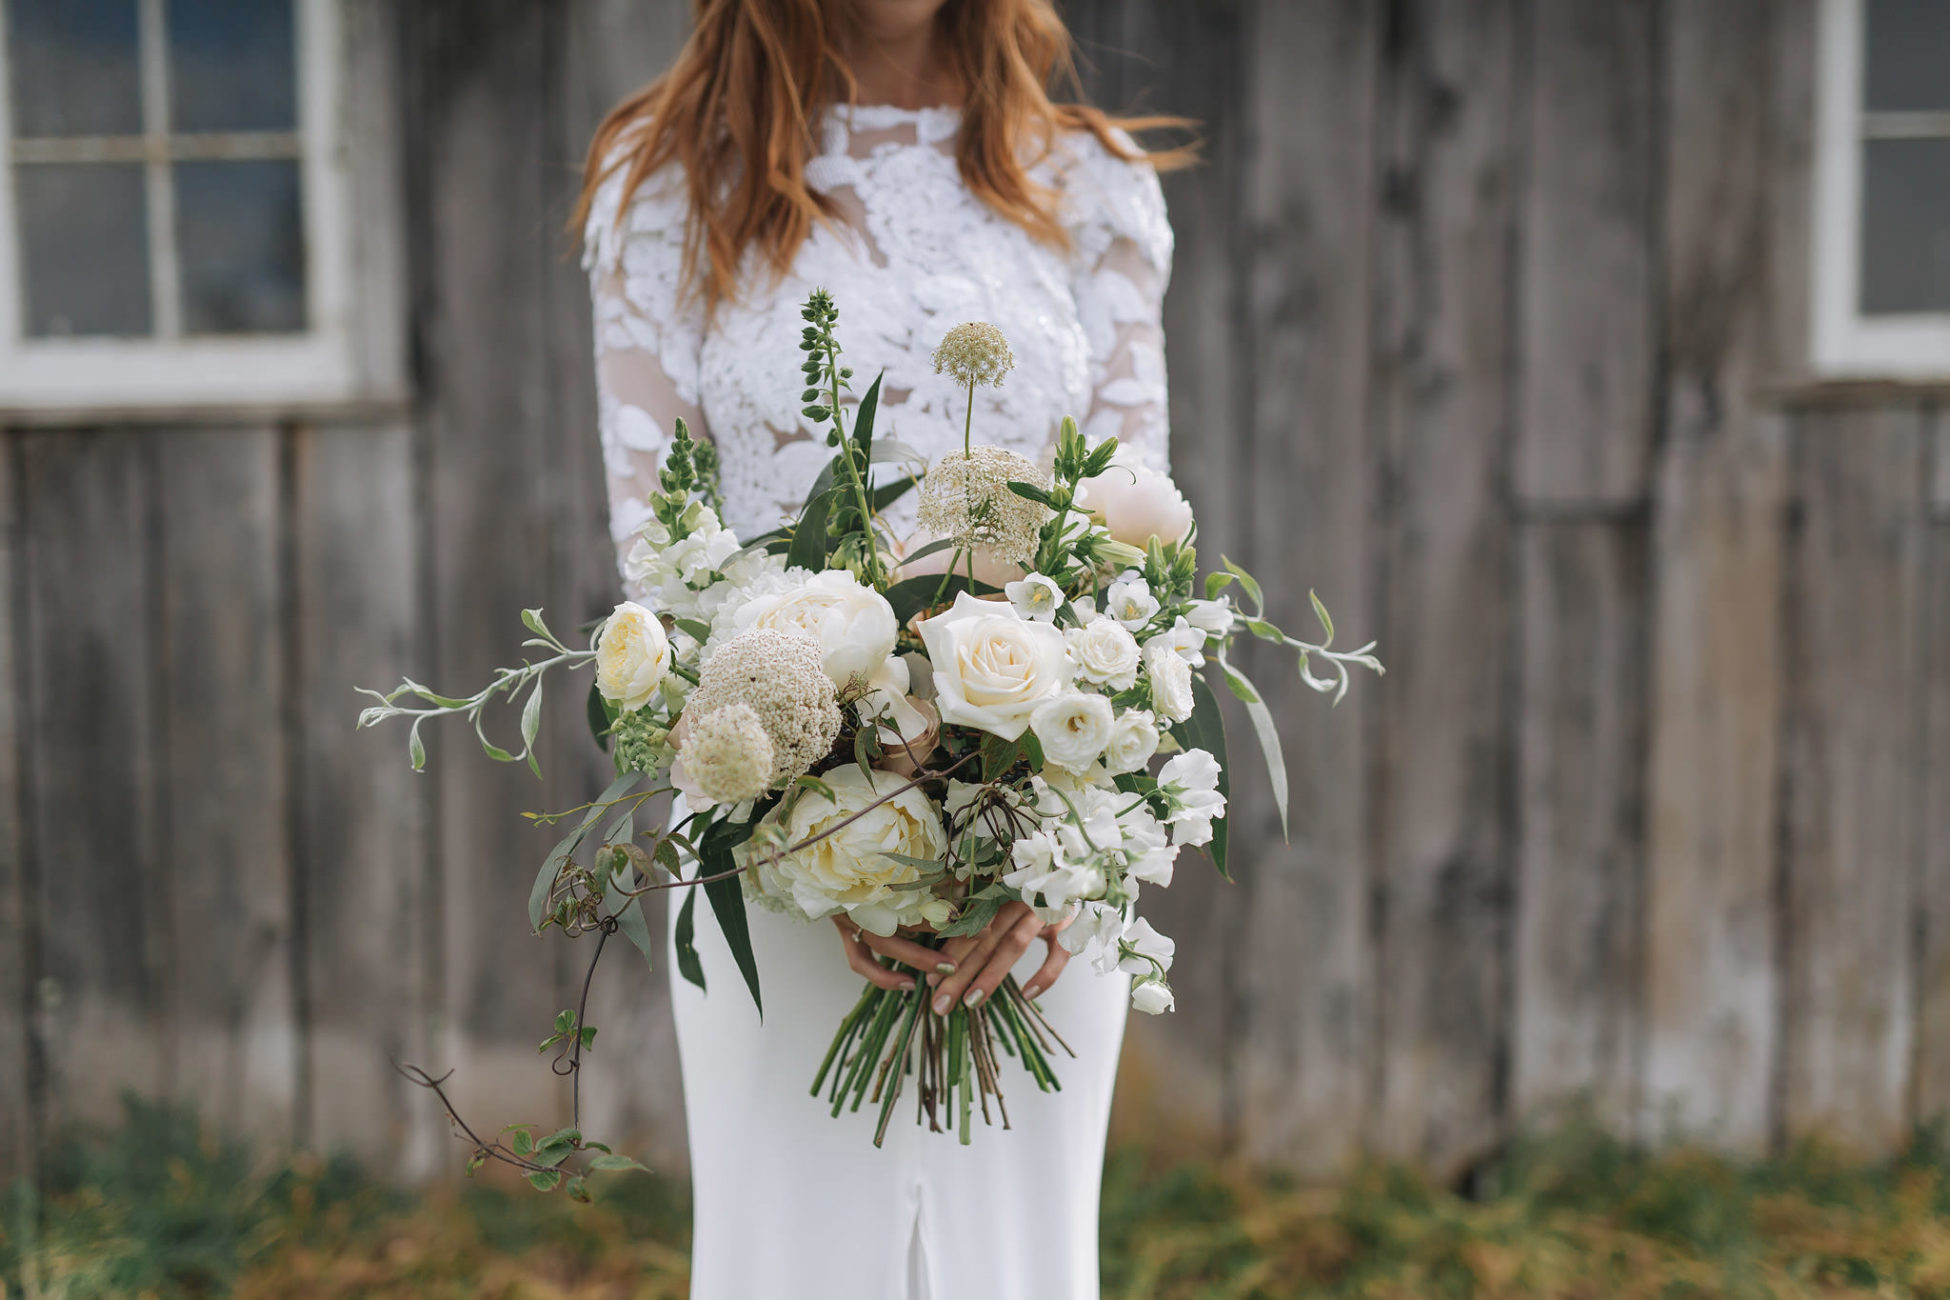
(916, 255)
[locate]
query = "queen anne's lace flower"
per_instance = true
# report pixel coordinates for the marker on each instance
(778, 676)
(728, 755)
(974, 353)
(967, 499)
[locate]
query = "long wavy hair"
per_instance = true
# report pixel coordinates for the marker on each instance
(740, 108)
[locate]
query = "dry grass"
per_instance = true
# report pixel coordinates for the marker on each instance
(160, 1208)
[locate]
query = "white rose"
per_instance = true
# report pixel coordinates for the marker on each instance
(1104, 652)
(849, 869)
(1073, 729)
(1133, 740)
(853, 624)
(1211, 616)
(1152, 997)
(992, 668)
(1135, 504)
(1130, 602)
(632, 656)
(1171, 680)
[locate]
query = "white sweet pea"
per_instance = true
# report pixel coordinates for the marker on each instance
(1094, 935)
(1130, 602)
(992, 667)
(1104, 652)
(1152, 997)
(1190, 785)
(1152, 857)
(1211, 616)
(1144, 950)
(854, 625)
(1073, 728)
(632, 656)
(1036, 596)
(1133, 740)
(1171, 680)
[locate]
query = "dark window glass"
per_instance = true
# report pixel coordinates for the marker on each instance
(84, 253)
(232, 65)
(239, 231)
(1907, 55)
(74, 67)
(1905, 226)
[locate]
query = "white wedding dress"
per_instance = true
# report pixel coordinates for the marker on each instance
(789, 1203)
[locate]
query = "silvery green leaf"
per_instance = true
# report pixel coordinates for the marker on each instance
(1249, 584)
(1268, 734)
(416, 748)
(893, 449)
(1320, 612)
(531, 716)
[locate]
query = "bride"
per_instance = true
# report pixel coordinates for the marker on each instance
(905, 155)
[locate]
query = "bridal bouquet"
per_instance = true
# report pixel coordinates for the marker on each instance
(861, 724)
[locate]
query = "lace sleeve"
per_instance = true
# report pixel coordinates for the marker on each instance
(1123, 248)
(647, 339)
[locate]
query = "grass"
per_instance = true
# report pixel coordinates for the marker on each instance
(161, 1207)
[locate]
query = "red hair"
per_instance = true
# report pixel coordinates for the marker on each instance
(740, 108)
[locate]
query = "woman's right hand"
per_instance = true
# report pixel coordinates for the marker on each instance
(860, 947)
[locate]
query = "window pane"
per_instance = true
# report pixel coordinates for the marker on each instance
(74, 67)
(1905, 226)
(241, 236)
(84, 250)
(1908, 55)
(232, 65)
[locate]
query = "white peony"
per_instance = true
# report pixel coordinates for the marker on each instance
(992, 667)
(1135, 504)
(849, 870)
(1073, 728)
(632, 656)
(1104, 652)
(1133, 740)
(853, 624)
(1036, 596)
(1171, 680)
(1130, 602)
(1152, 997)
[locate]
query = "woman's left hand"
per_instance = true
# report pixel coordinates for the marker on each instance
(982, 961)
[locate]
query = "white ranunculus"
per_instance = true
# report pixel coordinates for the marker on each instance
(1211, 616)
(632, 656)
(1104, 652)
(849, 870)
(1152, 997)
(1130, 602)
(992, 667)
(1171, 680)
(853, 624)
(1036, 596)
(1146, 946)
(1133, 740)
(1136, 503)
(1074, 728)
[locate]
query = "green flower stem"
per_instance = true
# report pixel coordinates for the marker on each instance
(874, 576)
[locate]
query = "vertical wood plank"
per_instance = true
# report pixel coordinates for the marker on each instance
(359, 812)
(1579, 817)
(1931, 1084)
(1853, 774)
(1712, 980)
(1587, 318)
(1442, 406)
(91, 639)
(19, 937)
(1305, 1027)
(232, 1009)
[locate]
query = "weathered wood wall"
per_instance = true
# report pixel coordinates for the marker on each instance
(1487, 321)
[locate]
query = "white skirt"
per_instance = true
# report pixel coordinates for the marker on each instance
(792, 1204)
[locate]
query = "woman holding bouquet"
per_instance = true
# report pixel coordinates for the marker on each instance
(904, 154)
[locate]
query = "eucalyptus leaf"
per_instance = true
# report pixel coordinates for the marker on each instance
(631, 922)
(685, 940)
(531, 716)
(1268, 734)
(727, 898)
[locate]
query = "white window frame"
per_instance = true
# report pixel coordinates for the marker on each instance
(333, 361)
(1846, 343)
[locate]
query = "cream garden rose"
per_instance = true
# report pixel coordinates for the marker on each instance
(632, 656)
(992, 667)
(853, 624)
(1136, 503)
(1073, 728)
(849, 870)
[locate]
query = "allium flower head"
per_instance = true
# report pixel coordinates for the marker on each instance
(728, 754)
(777, 675)
(974, 353)
(966, 498)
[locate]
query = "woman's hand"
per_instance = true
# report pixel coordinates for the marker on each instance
(982, 961)
(861, 946)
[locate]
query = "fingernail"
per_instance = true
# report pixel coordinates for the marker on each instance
(935, 979)
(974, 998)
(1031, 992)
(946, 968)
(941, 1004)
(907, 986)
